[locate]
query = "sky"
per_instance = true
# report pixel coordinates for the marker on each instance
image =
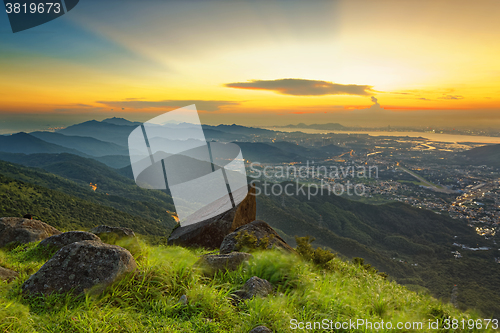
(257, 63)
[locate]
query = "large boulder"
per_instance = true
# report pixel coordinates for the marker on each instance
(7, 274)
(211, 232)
(213, 263)
(79, 267)
(21, 230)
(260, 230)
(66, 238)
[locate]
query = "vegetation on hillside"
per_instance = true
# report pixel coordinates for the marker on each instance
(413, 246)
(148, 300)
(66, 212)
(122, 195)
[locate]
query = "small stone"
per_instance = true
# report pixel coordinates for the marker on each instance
(7, 274)
(261, 329)
(256, 286)
(183, 300)
(213, 263)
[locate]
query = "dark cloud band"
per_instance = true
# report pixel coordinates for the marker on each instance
(302, 87)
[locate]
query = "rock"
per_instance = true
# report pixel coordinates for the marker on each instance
(259, 229)
(21, 230)
(66, 238)
(213, 263)
(112, 234)
(254, 286)
(7, 274)
(210, 233)
(80, 266)
(183, 300)
(261, 329)
(246, 211)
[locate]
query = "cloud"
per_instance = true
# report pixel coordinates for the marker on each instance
(204, 105)
(451, 97)
(302, 87)
(374, 109)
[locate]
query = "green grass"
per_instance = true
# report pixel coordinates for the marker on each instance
(147, 300)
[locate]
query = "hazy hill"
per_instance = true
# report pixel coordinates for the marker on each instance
(293, 148)
(114, 161)
(213, 134)
(238, 129)
(312, 153)
(265, 153)
(103, 131)
(489, 155)
(329, 126)
(121, 121)
(117, 130)
(28, 144)
(333, 150)
(86, 145)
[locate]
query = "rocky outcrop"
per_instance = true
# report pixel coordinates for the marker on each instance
(210, 233)
(261, 329)
(260, 230)
(213, 263)
(246, 211)
(116, 232)
(21, 230)
(66, 238)
(80, 267)
(7, 274)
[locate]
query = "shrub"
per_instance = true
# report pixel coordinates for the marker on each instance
(249, 242)
(319, 256)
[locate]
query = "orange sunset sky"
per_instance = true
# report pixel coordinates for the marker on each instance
(258, 63)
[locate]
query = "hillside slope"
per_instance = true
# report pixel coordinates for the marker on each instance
(86, 145)
(148, 300)
(66, 212)
(150, 207)
(412, 245)
(27, 144)
(488, 155)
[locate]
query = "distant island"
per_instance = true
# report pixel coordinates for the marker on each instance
(328, 126)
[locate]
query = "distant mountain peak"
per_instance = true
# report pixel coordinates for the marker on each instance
(120, 121)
